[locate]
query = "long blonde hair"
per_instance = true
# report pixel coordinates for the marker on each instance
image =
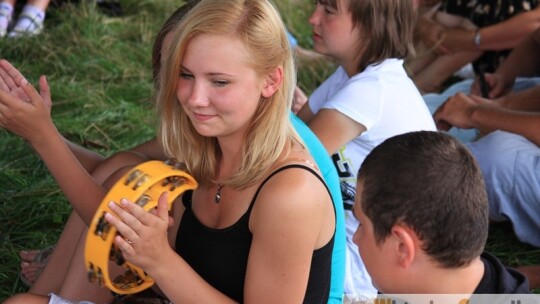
(258, 25)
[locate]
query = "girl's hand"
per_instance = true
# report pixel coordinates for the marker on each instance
(23, 110)
(143, 235)
(10, 79)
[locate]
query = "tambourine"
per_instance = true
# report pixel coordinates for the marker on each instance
(142, 185)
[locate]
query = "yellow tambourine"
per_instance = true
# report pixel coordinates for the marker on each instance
(143, 185)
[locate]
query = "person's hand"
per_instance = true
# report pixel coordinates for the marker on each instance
(432, 34)
(143, 235)
(299, 100)
(23, 110)
(498, 86)
(10, 77)
(456, 112)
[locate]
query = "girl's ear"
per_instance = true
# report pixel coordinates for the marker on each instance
(272, 82)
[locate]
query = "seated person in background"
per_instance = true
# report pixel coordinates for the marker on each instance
(232, 107)
(507, 154)
(103, 172)
(510, 87)
(29, 22)
(423, 226)
(498, 28)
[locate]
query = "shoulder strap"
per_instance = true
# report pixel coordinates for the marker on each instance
(282, 169)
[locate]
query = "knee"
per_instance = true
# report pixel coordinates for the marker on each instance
(27, 298)
(115, 162)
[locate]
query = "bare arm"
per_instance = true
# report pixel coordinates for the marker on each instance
(523, 61)
(501, 36)
(26, 113)
(474, 112)
(334, 129)
(279, 257)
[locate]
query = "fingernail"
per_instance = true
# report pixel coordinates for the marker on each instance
(111, 204)
(24, 81)
(124, 202)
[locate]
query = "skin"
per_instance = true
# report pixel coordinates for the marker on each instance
(399, 265)
(220, 98)
(335, 36)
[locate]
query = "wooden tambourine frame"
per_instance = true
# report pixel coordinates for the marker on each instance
(142, 185)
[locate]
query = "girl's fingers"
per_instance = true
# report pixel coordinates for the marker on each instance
(11, 75)
(12, 71)
(126, 231)
(126, 213)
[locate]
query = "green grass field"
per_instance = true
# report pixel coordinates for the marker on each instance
(99, 69)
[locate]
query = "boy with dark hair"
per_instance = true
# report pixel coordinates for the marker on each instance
(423, 210)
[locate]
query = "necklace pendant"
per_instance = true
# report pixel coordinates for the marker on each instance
(217, 198)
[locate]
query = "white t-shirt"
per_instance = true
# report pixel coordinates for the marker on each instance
(386, 102)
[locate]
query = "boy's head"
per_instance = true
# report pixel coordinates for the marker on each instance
(420, 199)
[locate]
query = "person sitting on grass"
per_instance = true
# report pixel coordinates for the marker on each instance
(104, 172)
(223, 105)
(423, 214)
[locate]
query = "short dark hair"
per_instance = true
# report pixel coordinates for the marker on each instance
(430, 182)
(388, 26)
(167, 27)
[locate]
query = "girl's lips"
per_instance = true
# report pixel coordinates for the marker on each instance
(202, 117)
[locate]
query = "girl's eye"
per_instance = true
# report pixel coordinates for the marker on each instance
(220, 83)
(329, 10)
(186, 75)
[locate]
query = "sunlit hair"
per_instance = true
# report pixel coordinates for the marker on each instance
(258, 26)
(431, 183)
(387, 28)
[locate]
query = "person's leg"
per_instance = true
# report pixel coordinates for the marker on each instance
(41, 4)
(6, 14)
(25, 298)
(102, 172)
(52, 275)
(432, 77)
(76, 286)
(511, 168)
(30, 20)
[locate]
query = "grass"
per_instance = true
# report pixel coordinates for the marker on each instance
(99, 70)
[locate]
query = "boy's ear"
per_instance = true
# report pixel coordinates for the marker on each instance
(272, 82)
(406, 245)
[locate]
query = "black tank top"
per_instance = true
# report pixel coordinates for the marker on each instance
(220, 256)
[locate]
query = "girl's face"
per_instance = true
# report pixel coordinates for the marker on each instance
(217, 89)
(333, 32)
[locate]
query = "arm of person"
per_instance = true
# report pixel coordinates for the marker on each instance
(526, 100)
(280, 255)
(26, 113)
(501, 36)
(334, 129)
(153, 252)
(523, 61)
(475, 112)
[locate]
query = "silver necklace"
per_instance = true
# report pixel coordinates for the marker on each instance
(217, 197)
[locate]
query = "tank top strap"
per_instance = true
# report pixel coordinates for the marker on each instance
(282, 169)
